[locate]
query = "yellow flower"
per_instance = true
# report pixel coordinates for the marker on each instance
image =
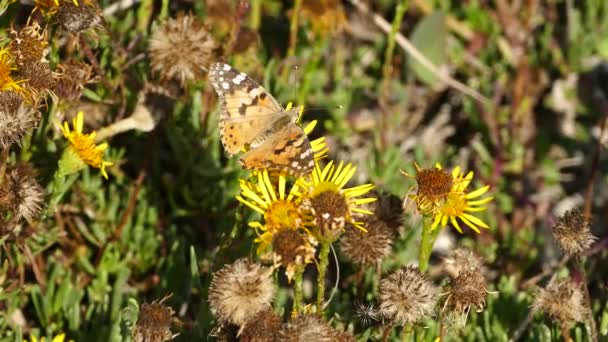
(279, 208)
(443, 195)
(84, 145)
(6, 81)
(58, 338)
(330, 204)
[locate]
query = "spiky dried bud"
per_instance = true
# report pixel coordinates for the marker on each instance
(293, 249)
(72, 76)
(20, 193)
(563, 300)
(306, 328)
(572, 232)
(367, 248)
(179, 47)
(263, 327)
(407, 296)
(154, 322)
(28, 45)
(80, 18)
(14, 124)
(241, 290)
(467, 291)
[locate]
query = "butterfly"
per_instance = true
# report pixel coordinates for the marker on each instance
(253, 120)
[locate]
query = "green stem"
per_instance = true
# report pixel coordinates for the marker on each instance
(323, 262)
(390, 45)
(426, 243)
(293, 28)
(405, 334)
(255, 19)
(297, 289)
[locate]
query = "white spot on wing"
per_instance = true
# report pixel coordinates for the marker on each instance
(225, 85)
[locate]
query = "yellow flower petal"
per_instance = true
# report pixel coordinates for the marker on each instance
(478, 192)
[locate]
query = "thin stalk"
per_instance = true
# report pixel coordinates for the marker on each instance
(293, 28)
(297, 289)
(578, 261)
(390, 48)
(426, 244)
(323, 262)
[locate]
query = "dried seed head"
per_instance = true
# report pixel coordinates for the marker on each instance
(462, 259)
(306, 328)
(28, 45)
(72, 76)
(80, 18)
(388, 209)
(10, 100)
(407, 296)
(20, 193)
(572, 232)
(263, 327)
(367, 249)
(330, 212)
(39, 79)
(179, 47)
(562, 300)
(14, 124)
(467, 291)
(241, 290)
(325, 16)
(154, 323)
(293, 249)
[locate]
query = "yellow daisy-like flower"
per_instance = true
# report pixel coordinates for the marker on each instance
(58, 338)
(443, 195)
(7, 83)
(279, 208)
(319, 146)
(84, 144)
(330, 204)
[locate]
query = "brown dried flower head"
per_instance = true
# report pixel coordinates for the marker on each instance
(367, 249)
(292, 250)
(325, 16)
(15, 123)
(562, 300)
(154, 322)
(28, 45)
(306, 328)
(263, 327)
(573, 233)
(330, 211)
(387, 209)
(467, 291)
(407, 296)
(39, 79)
(241, 290)
(72, 76)
(20, 193)
(79, 18)
(179, 47)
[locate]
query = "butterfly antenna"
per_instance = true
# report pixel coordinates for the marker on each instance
(335, 289)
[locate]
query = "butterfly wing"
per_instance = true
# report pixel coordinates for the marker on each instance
(248, 110)
(287, 150)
